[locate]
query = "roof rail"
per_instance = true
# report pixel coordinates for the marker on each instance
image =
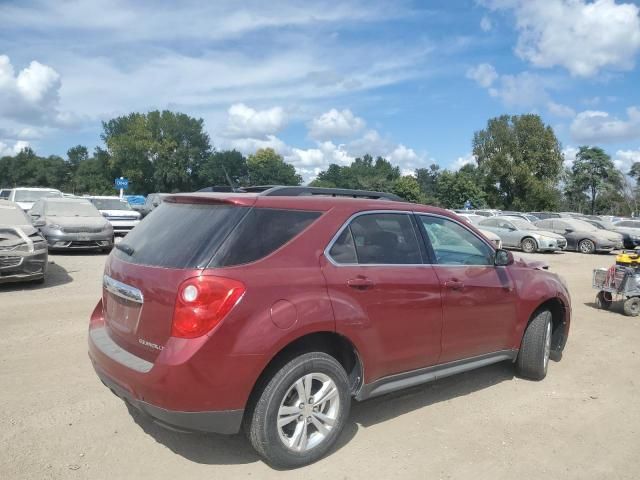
(281, 191)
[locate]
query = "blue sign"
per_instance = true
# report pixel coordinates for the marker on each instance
(122, 183)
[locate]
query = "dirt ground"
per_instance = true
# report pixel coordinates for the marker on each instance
(583, 421)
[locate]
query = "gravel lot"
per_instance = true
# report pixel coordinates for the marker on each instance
(583, 421)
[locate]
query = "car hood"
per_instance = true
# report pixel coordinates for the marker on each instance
(607, 235)
(546, 233)
(26, 228)
(78, 221)
(535, 264)
(120, 213)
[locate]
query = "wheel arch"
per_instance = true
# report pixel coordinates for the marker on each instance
(331, 343)
(558, 318)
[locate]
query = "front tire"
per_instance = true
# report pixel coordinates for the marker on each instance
(300, 412)
(529, 245)
(604, 300)
(586, 246)
(533, 357)
(631, 306)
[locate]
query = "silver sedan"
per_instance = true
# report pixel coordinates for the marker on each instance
(521, 234)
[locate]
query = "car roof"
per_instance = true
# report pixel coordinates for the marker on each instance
(44, 189)
(315, 202)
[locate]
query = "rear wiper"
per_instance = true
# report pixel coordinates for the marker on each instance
(125, 248)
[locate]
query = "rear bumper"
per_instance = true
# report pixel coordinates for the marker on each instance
(224, 422)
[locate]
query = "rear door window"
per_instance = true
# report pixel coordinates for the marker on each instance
(262, 232)
(378, 238)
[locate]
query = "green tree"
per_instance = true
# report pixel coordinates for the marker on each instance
(218, 165)
(428, 181)
(455, 188)
(594, 173)
(93, 175)
(157, 151)
(364, 173)
(520, 161)
(266, 167)
(408, 188)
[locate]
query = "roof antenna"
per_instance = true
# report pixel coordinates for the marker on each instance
(233, 189)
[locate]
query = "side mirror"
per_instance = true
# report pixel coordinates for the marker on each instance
(503, 258)
(568, 230)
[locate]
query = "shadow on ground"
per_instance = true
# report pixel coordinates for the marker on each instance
(235, 449)
(56, 275)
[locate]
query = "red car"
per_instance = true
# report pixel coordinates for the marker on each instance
(271, 311)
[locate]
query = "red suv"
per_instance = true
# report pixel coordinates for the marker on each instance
(270, 311)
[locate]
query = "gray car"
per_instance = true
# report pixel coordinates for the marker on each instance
(582, 236)
(72, 224)
(23, 251)
(519, 233)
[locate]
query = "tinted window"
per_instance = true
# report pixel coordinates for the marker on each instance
(5, 193)
(455, 245)
(180, 235)
(261, 232)
(385, 238)
(344, 249)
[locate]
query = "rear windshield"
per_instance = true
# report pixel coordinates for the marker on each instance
(180, 235)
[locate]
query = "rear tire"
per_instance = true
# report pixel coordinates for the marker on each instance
(529, 245)
(632, 306)
(603, 301)
(586, 246)
(282, 417)
(535, 349)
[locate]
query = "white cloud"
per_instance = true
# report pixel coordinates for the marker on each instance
(623, 159)
(593, 126)
(31, 96)
(560, 110)
(7, 150)
(485, 24)
(335, 123)
(468, 159)
(483, 74)
(569, 154)
(583, 37)
(522, 90)
(245, 121)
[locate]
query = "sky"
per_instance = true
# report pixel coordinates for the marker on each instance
(324, 82)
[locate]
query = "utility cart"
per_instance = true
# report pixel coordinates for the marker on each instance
(618, 283)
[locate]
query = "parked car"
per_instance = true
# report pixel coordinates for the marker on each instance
(518, 233)
(23, 251)
(118, 212)
(72, 223)
(523, 216)
(152, 201)
(215, 334)
(582, 236)
(475, 219)
(630, 230)
(27, 196)
(630, 236)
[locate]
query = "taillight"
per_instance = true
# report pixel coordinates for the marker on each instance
(202, 303)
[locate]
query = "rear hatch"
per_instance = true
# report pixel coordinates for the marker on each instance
(145, 270)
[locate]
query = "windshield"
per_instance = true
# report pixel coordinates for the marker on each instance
(9, 215)
(581, 225)
(34, 195)
(80, 208)
(522, 224)
(110, 204)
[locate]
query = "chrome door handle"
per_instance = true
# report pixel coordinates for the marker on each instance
(454, 284)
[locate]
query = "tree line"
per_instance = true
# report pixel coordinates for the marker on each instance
(519, 166)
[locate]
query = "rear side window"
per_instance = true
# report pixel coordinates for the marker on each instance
(378, 238)
(260, 233)
(180, 235)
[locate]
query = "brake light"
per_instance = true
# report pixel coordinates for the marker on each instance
(202, 303)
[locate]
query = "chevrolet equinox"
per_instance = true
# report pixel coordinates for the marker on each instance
(269, 311)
